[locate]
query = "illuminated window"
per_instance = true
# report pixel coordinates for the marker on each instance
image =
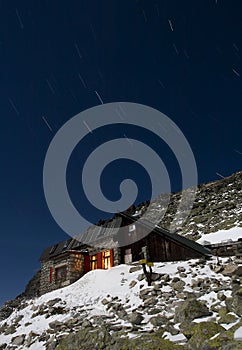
(106, 259)
(93, 262)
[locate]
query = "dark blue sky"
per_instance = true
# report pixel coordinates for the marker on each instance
(180, 57)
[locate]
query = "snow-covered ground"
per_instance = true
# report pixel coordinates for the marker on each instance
(86, 295)
(222, 236)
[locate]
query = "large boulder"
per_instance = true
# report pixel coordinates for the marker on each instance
(234, 304)
(99, 338)
(158, 320)
(86, 339)
(18, 340)
(202, 332)
(189, 310)
(224, 341)
(231, 270)
(135, 318)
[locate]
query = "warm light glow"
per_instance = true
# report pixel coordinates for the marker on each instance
(93, 262)
(106, 259)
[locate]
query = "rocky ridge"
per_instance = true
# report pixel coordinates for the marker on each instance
(217, 206)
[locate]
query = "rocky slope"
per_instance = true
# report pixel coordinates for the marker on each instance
(190, 305)
(217, 206)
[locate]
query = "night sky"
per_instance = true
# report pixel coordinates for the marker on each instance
(58, 58)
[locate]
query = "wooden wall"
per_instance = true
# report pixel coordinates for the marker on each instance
(160, 249)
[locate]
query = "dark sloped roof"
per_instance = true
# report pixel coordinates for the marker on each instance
(96, 234)
(173, 236)
(61, 247)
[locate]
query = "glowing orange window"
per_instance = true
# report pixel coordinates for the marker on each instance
(106, 259)
(93, 262)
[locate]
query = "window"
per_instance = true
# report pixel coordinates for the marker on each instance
(131, 227)
(106, 259)
(93, 262)
(127, 256)
(102, 260)
(61, 273)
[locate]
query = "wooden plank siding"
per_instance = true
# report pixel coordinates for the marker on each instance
(159, 249)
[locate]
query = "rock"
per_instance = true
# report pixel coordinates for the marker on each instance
(234, 304)
(34, 307)
(118, 307)
(53, 301)
(222, 311)
(150, 301)
(135, 318)
(166, 278)
(156, 286)
(202, 332)
(145, 292)
(51, 343)
(18, 319)
(56, 325)
(218, 269)
(18, 340)
(132, 284)
(175, 279)
(189, 310)
(178, 286)
(155, 276)
(228, 318)
(235, 280)
(181, 269)
(135, 268)
(225, 340)
(104, 301)
(100, 339)
(72, 322)
(7, 309)
(33, 334)
(86, 324)
(158, 320)
(230, 270)
(197, 283)
(10, 330)
(121, 314)
(141, 277)
(55, 310)
(221, 296)
(239, 292)
(171, 329)
(116, 328)
(181, 295)
(154, 311)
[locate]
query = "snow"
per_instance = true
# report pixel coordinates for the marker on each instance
(238, 334)
(222, 235)
(175, 338)
(85, 297)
